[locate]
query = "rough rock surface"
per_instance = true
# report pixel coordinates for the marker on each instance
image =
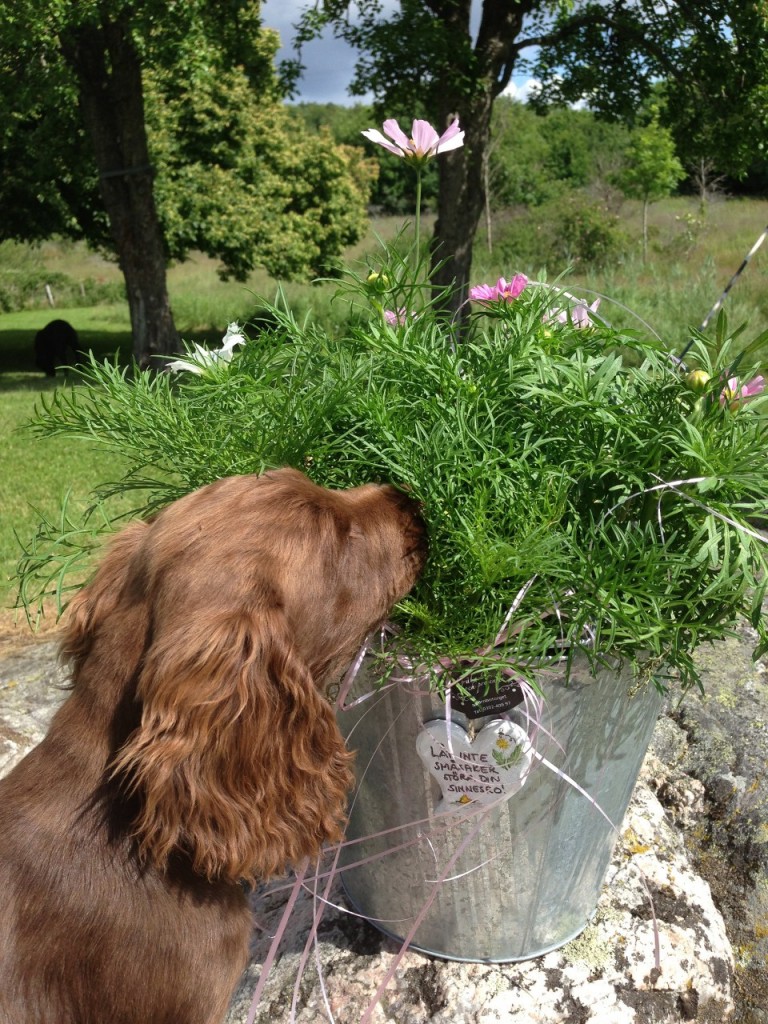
(715, 790)
(32, 685)
(607, 975)
(708, 775)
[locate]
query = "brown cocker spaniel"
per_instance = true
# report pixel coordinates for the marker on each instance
(196, 750)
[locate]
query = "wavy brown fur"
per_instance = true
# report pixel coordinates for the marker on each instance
(196, 749)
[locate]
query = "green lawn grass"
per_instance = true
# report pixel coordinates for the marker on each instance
(687, 270)
(36, 475)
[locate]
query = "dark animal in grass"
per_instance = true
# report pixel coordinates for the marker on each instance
(56, 345)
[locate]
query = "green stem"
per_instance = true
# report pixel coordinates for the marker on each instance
(418, 214)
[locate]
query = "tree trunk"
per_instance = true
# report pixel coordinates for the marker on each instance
(462, 187)
(487, 190)
(460, 205)
(108, 71)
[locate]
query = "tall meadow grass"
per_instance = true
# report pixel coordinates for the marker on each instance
(693, 255)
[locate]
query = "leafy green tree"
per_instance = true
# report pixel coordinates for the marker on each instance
(518, 155)
(709, 58)
(423, 58)
(238, 178)
(584, 149)
(535, 157)
(429, 55)
(652, 168)
(343, 122)
(150, 129)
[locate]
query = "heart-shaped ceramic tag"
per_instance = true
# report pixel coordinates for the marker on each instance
(496, 763)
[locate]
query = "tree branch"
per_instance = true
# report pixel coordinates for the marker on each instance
(624, 28)
(455, 11)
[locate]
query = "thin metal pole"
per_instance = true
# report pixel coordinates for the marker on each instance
(728, 287)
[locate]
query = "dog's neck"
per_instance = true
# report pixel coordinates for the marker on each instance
(92, 724)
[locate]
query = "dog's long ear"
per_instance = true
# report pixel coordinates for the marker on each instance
(238, 760)
(88, 612)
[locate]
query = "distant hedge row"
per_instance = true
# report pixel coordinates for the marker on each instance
(26, 284)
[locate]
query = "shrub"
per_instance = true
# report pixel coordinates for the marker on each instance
(567, 231)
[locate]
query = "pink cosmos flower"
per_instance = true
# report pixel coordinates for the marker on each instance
(734, 393)
(424, 141)
(502, 291)
(397, 317)
(577, 315)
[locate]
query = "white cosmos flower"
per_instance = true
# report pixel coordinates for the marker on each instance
(234, 336)
(203, 359)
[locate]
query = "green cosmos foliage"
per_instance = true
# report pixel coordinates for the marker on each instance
(575, 462)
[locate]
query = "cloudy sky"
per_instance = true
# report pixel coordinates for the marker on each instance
(329, 62)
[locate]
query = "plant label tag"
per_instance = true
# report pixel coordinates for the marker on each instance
(479, 704)
(493, 765)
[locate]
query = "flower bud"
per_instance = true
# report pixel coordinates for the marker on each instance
(697, 380)
(377, 282)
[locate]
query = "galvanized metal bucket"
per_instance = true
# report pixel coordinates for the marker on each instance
(518, 875)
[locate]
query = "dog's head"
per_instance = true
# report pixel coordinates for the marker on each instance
(240, 602)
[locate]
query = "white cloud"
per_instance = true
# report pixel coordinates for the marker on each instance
(530, 86)
(521, 91)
